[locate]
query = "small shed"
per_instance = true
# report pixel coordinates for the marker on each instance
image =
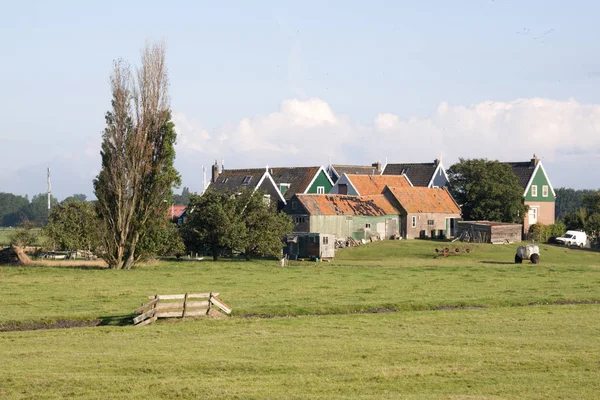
(488, 232)
(310, 245)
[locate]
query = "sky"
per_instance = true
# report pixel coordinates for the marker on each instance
(283, 83)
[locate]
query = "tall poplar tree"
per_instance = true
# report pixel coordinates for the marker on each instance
(135, 183)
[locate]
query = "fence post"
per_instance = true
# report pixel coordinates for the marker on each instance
(184, 305)
(209, 303)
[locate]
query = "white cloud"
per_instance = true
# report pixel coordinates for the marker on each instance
(310, 132)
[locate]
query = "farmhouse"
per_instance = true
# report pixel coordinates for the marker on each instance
(236, 180)
(336, 171)
(429, 175)
(538, 192)
(424, 212)
(366, 185)
(359, 217)
(302, 180)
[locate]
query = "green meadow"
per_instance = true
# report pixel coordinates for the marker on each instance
(385, 320)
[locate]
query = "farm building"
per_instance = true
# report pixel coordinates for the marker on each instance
(367, 185)
(489, 232)
(424, 212)
(310, 245)
(359, 217)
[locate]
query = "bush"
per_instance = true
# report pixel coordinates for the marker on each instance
(546, 233)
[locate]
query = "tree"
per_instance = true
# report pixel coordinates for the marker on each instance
(74, 226)
(37, 210)
(10, 205)
(138, 152)
(487, 190)
(182, 199)
(213, 223)
(75, 197)
(568, 201)
(265, 227)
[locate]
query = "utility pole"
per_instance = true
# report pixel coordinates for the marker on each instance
(49, 191)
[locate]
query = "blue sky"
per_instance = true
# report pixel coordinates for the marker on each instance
(298, 83)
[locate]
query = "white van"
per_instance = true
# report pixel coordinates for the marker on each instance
(573, 238)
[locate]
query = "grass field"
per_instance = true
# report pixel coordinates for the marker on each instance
(467, 326)
(5, 234)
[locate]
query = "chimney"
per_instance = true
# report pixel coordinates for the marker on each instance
(535, 161)
(215, 172)
(436, 162)
(377, 165)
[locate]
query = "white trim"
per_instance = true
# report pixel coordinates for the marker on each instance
(408, 179)
(538, 166)
(351, 184)
(267, 174)
(429, 185)
(334, 171)
(315, 178)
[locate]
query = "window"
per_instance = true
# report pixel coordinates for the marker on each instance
(367, 226)
(283, 187)
(320, 189)
(534, 190)
(430, 222)
(247, 180)
(267, 199)
(414, 222)
(404, 171)
(224, 180)
(342, 188)
(545, 191)
(294, 205)
(325, 240)
(299, 220)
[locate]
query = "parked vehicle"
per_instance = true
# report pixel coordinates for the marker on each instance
(573, 238)
(528, 252)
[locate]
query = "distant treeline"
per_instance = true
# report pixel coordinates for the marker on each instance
(16, 210)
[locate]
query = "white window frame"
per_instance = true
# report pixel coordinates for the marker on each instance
(535, 210)
(414, 221)
(545, 191)
(533, 190)
(320, 189)
(367, 226)
(325, 240)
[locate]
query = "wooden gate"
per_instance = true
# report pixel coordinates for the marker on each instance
(180, 306)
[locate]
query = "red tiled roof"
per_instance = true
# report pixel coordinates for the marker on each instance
(374, 184)
(175, 211)
(425, 200)
(331, 204)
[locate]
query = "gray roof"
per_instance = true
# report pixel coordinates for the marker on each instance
(355, 169)
(523, 171)
(234, 180)
(297, 177)
(419, 174)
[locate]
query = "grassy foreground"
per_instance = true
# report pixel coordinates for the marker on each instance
(536, 352)
(391, 275)
(502, 344)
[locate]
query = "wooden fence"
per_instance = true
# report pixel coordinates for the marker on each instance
(180, 306)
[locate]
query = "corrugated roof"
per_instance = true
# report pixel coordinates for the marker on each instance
(297, 177)
(329, 204)
(420, 174)
(233, 180)
(425, 200)
(371, 185)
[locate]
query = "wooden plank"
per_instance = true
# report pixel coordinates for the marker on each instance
(182, 296)
(147, 305)
(224, 307)
(195, 304)
(169, 306)
(148, 321)
(196, 313)
(168, 314)
(143, 316)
